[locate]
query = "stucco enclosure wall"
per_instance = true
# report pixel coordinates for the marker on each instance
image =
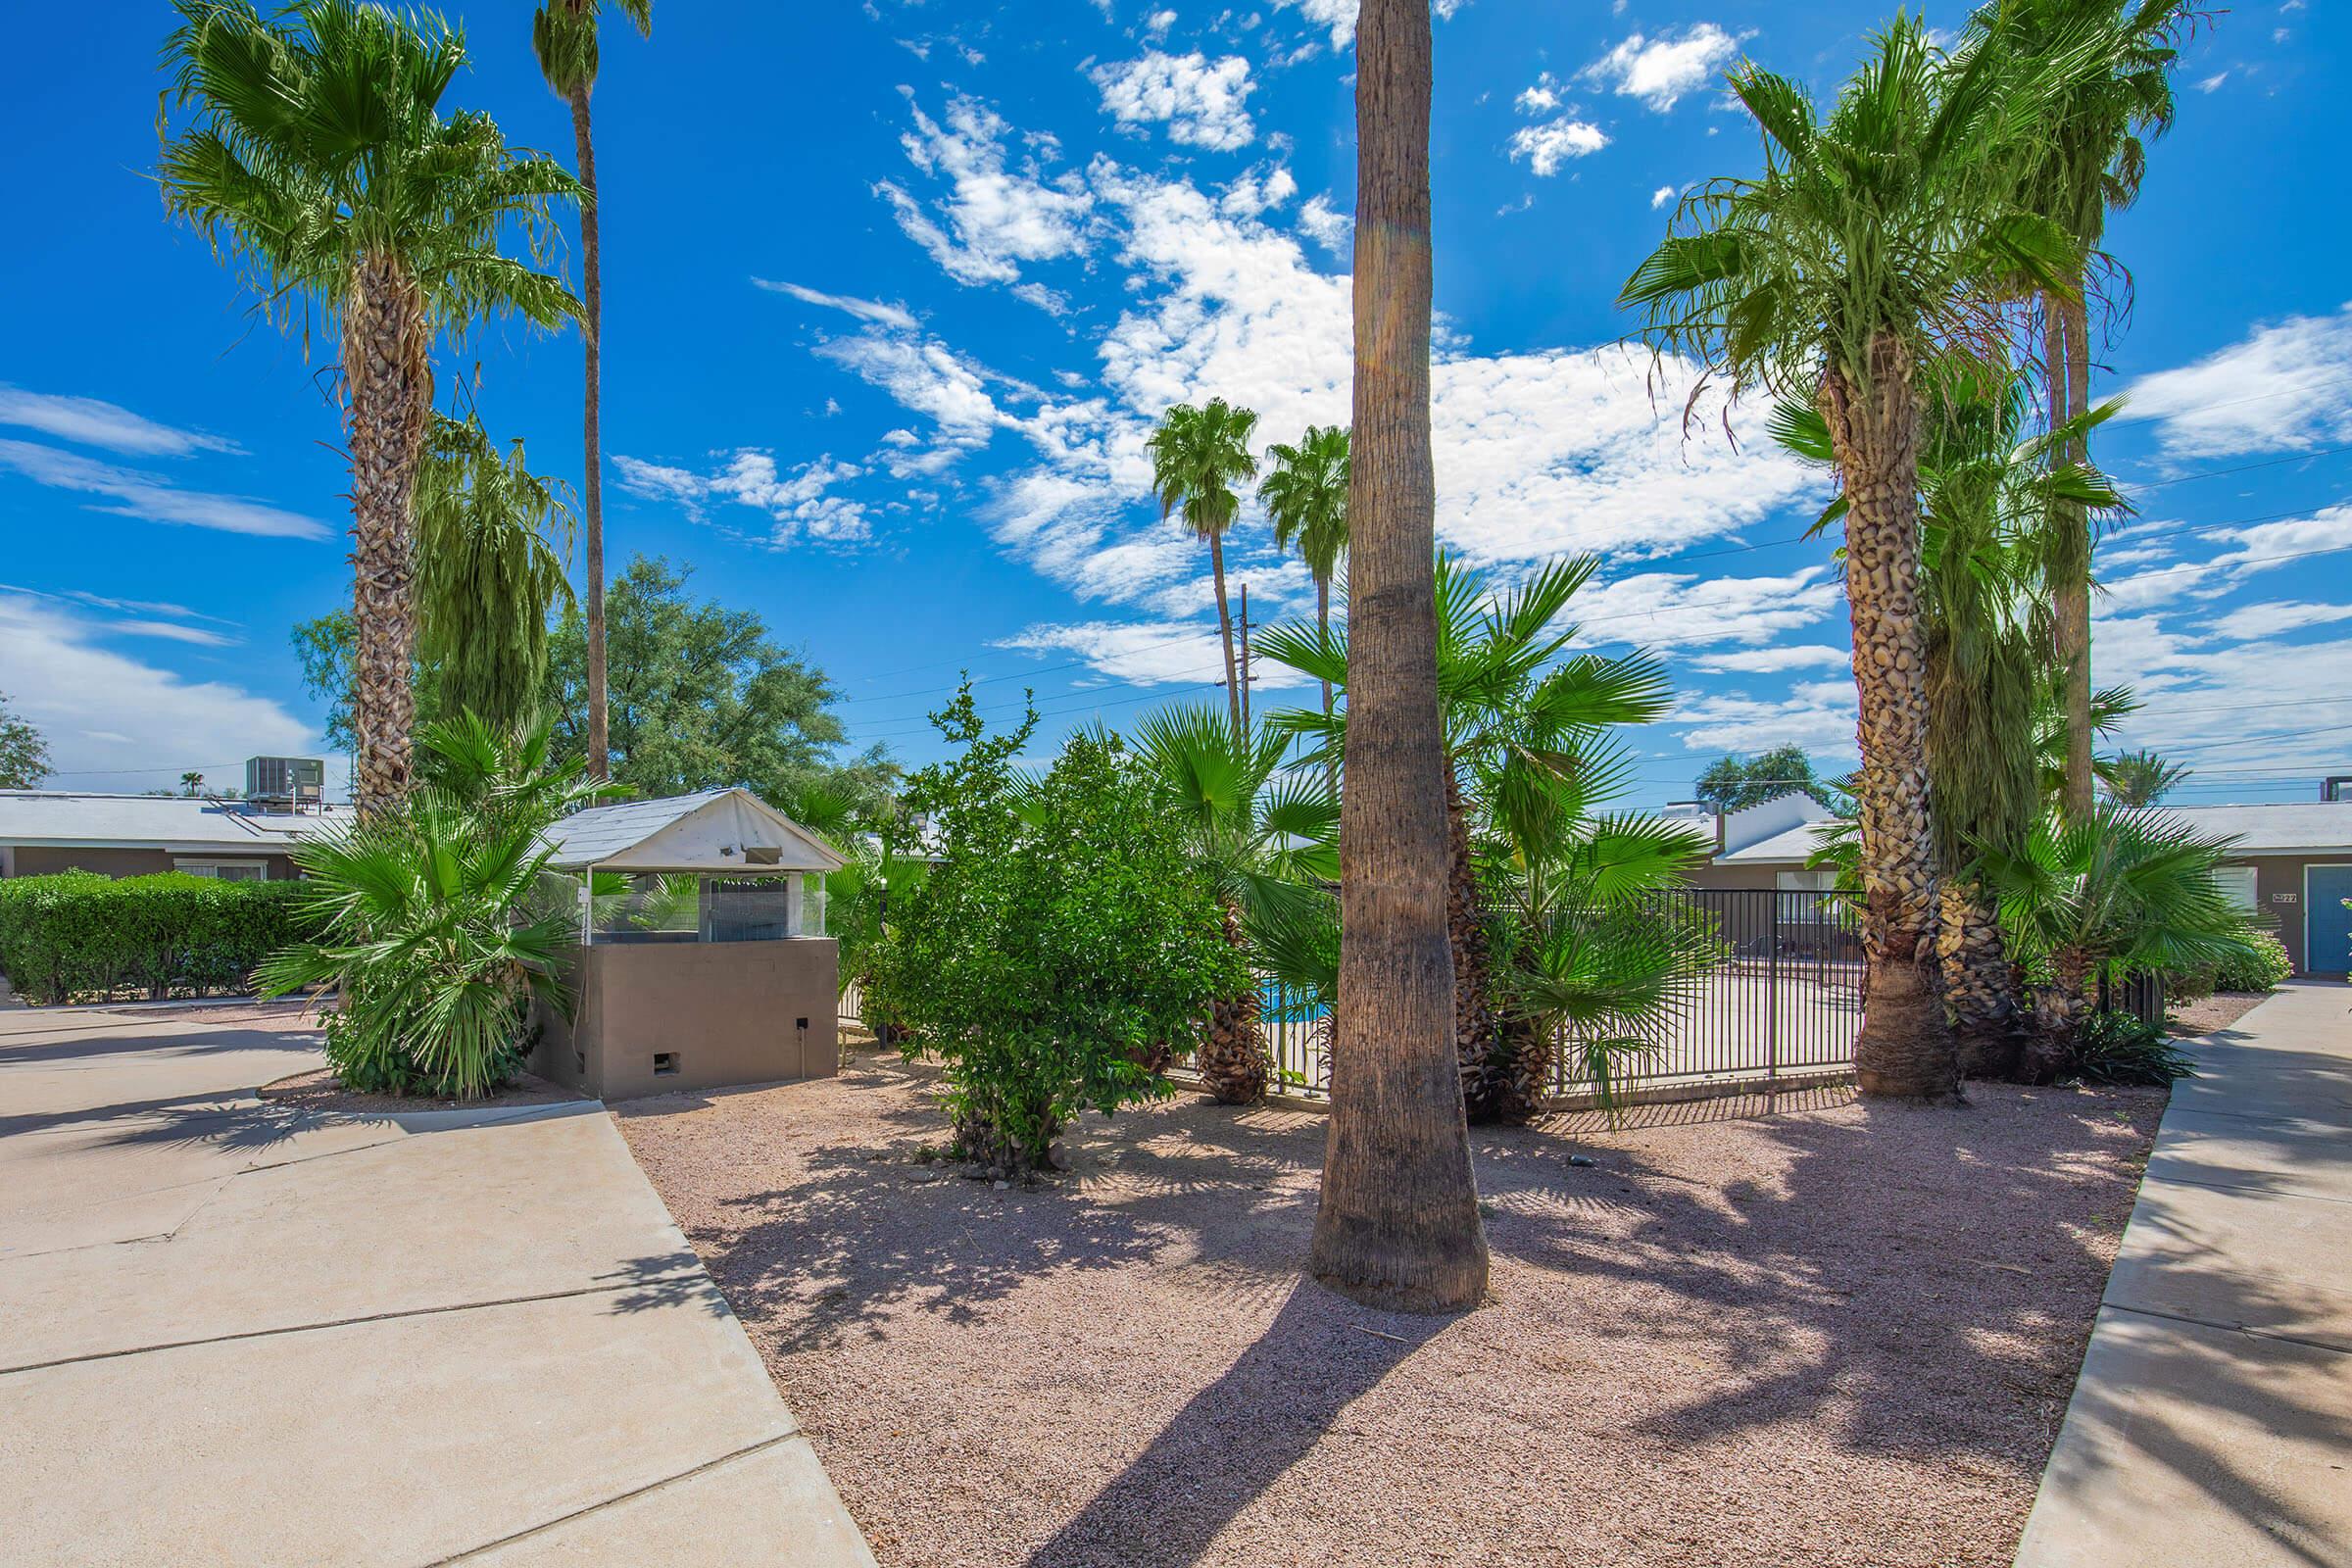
(46, 859)
(723, 1012)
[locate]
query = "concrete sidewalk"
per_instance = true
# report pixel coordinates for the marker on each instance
(233, 1334)
(2212, 1424)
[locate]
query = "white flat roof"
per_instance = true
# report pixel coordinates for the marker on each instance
(77, 819)
(2295, 827)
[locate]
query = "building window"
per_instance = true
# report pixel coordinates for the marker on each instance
(2236, 883)
(225, 870)
(1804, 896)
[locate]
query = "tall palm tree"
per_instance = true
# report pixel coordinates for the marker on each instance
(1306, 500)
(564, 35)
(1874, 243)
(1268, 840)
(1198, 456)
(1397, 1225)
(312, 149)
(1987, 492)
(2139, 778)
(492, 545)
(2111, 60)
(1518, 720)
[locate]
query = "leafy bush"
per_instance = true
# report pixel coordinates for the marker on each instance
(2260, 965)
(428, 923)
(2115, 1048)
(81, 934)
(1066, 938)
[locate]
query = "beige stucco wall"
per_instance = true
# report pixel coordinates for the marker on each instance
(729, 1012)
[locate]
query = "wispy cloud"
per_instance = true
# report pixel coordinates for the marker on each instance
(87, 422)
(1663, 70)
(1546, 147)
(799, 499)
(2285, 387)
(151, 497)
(1201, 101)
(896, 316)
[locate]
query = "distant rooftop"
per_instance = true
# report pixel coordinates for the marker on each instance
(84, 819)
(2292, 827)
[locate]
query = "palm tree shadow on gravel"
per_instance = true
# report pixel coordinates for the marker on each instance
(1237, 1437)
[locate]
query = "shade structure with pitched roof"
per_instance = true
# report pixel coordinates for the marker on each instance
(703, 960)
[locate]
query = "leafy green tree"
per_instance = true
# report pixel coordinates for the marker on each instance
(1305, 496)
(492, 539)
(564, 37)
(1198, 456)
(1268, 840)
(311, 148)
(23, 751)
(427, 922)
(2109, 65)
(1067, 937)
(1732, 785)
(1877, 242)
(702, 697)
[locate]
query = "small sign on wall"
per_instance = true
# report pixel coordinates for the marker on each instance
(2284, 898)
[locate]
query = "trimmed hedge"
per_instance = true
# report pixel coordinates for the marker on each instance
(2262, 966)
(82, 936)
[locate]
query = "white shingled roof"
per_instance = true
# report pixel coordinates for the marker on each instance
(711, 830)
(2297, 827)
(175, 823)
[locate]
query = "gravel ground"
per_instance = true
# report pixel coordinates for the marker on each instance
(2218, 1012)
(1835, 1336)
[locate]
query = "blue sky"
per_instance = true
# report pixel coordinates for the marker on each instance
(894, 292)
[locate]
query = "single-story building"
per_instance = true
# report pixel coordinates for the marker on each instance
(701, 956)
(46, 831)
(2290, 866)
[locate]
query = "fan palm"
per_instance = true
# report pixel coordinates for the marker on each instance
(564, 35)
(311, 148)
(2116, 891)
(1198, 455)
(2110, 64)
(492, 538)
(1270, 840)
(429, 921)
(1396, 1224)
(1874, 244)
(1306, 498)
(1518, 721)
(2139, 778)
(1986, 490)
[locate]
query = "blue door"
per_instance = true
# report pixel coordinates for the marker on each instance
(2327, 923)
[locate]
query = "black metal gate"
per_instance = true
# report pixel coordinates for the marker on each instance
(1782, 1000)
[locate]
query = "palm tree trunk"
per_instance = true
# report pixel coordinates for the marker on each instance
(388, 384)
(2069, 386)
(1475, 1041)
(1397, 1226)
(1979, 983)
(2062, 1006)
(1232, 1060)
(1905, 1048)
(592, 486)
(1233, 687)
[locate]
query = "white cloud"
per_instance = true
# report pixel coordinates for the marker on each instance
(2285, 387)
(2253, 621)
(1772, 660)
(1144, 654)
(2268, 545)
(1660, 197)
(1340, 16)
(151, 497)
(115, 724)
(1256, 191)
(87, 422)
(1662, 70)
(864, 310)
(994, 216)
(1201, 101)
(1540, 99)
(1818, 715)
(1678, 610)
(799, 501)
(1326, 225)
(2209, 83)
(1546, 146)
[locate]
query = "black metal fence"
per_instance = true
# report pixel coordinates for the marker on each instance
(1783, 999)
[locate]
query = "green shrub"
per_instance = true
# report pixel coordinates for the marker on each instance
(1064, 938)
(2260, 965)
(2115, 1048)
(81, 935)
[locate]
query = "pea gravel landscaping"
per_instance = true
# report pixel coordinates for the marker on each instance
(1835, 1334)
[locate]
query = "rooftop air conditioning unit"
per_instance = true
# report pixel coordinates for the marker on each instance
(295, 781)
